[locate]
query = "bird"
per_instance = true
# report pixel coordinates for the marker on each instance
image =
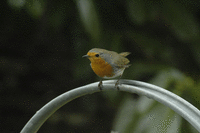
(107, 64)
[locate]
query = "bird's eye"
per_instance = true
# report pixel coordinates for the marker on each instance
(97, 55)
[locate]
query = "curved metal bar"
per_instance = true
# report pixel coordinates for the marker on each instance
(176, 103)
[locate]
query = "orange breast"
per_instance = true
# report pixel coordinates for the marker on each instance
(102, 69)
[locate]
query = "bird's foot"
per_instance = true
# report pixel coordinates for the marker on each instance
(100, 85)
(117, 85)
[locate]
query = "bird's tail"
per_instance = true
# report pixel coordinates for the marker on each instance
(125, 53)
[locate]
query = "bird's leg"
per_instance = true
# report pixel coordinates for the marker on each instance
(117, 83)
(100, 85)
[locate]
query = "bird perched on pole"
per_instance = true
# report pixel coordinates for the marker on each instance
(108, 64)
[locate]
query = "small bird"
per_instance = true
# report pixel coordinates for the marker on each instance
(108, 64)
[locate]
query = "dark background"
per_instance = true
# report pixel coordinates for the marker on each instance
(41, 48)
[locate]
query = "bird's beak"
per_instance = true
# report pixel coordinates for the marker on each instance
(85, 56)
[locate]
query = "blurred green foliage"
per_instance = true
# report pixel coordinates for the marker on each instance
(42, 42)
